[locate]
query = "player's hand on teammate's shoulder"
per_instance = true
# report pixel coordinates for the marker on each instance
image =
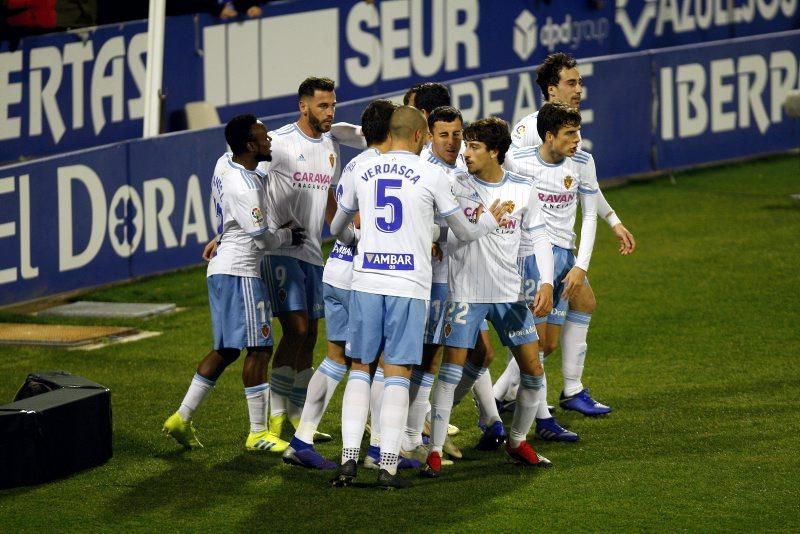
(210, 250)
(627, 244)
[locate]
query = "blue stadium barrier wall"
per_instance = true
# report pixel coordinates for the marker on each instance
(80, 89)
(138, 207)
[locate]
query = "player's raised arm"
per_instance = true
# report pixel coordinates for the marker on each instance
(462, 227)
(465, 230)
(348, 134)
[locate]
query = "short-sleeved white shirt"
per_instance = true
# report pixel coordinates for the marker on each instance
(455, 171)
(299, 176)
(396, 195)
(239, 202)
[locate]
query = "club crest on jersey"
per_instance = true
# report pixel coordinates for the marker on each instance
(388, 261)
(256, 215)
(448, 329)
(568, 181)
(265, 330)
(332, 159)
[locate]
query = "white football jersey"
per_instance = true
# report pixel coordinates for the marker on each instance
(455, 171)
(299, 176)
(338, 270)
(558, 187)
(239, 202)
(396, 195)
(485, 270)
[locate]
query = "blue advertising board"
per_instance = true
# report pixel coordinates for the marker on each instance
(724, 101)
(58, 224)
(80, 89)
(139, 207)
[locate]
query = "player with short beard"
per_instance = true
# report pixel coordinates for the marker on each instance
(240, 311)
(300, 182)
(337, 277)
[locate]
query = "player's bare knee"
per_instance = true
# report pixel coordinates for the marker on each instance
(584, 301)
(260, 354)
(229, 355)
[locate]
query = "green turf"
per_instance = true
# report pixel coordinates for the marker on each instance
(694, 344)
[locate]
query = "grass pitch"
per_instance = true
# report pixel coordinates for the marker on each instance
(694, 344)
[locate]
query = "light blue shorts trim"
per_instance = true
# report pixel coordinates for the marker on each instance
(435, 323)
(564, 261)
(337, 303)
(294, 285)
(512, 321)
(241, 315)
(394, 325)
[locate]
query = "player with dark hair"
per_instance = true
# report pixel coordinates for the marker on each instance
(429, 96)
(484, 283)
(560, 82)
(563, 174)
(240, 310)
(305, 165)
(408, 98)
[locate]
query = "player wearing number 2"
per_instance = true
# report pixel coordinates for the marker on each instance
(240, 309)
(484, 284)
(396, 195)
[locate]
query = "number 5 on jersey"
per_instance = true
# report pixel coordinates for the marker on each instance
(392, 206)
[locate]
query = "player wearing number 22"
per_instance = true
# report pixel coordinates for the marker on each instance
(484, 283)
(396, 195)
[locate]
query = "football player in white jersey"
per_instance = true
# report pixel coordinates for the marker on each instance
(301, 176)
(559, 80)
(240, 310)
(336, 279)
(562, 175)
(396, 195)
(484, 284)
(445, 125)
